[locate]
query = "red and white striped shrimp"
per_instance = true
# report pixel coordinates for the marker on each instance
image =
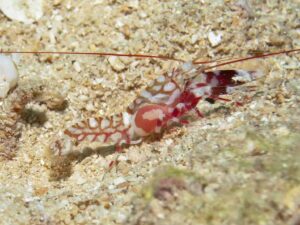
(165, 101)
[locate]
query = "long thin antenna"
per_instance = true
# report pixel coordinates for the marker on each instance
(251, 57)
(151, 56)
(103, 54)
(93, 53)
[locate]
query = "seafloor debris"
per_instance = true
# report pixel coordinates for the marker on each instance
(8, 75)
(246, 5)
(14, 112)
(60, 167)
(166, 188)
(53, 100)
(26, 11)
(32, 116)
(9, 134)
(214, 38)
(9, 124)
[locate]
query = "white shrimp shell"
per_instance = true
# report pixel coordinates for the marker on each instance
(8, 75)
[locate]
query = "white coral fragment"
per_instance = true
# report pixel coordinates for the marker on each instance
(26, 11)
(8, 75)
(214, 38)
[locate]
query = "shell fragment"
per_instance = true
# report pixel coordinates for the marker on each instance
(8, 75)
(26, 11)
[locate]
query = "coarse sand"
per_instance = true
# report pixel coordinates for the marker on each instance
(239, 165)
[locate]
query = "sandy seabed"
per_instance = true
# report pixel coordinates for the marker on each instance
(238, 165)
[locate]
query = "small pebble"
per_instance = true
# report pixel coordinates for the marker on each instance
(118, 181)
(77, 67)
(214, 38)
(116, 63)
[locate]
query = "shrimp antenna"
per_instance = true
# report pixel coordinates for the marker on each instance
(103, 54)
(250, 57)
(93, 53)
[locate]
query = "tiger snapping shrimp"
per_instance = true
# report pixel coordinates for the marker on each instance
(162, 103)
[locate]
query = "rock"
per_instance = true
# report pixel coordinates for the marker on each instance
(26, 11)
(77, 67)
(214, 39)
(8, 75)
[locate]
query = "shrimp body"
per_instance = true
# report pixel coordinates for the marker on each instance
(164, 102)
